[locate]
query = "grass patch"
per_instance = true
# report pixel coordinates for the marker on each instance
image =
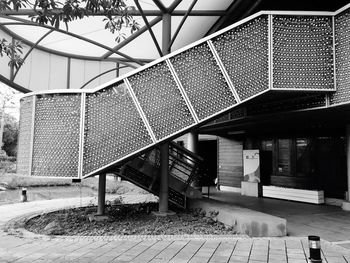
(113, 186)
(14, 181)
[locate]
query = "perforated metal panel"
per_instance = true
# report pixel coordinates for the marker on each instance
(302, 52)
(342, 38)
(56, 136)
(244, 53)
(113, 128)
(161, 100)
(24, 140)
(203, 81)
(276, 102)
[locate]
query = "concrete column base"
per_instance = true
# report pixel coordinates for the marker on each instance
(163, 214)
(346, 206)
(98, 218)
(251, 189)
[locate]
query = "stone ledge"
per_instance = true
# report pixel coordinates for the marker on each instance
(346, 206)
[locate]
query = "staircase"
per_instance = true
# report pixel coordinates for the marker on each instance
(81, 133)
(184, 167)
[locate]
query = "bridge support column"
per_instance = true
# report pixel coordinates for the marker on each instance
(164, 179)
(164, 149)
(192, 145)
(192, 142)
(101, 194)
(346, 204)
(163, 209)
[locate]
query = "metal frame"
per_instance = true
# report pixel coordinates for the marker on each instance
(160, 5)
(32, 130)
(81, 134)
(140, 110)
(149, 27)
(132, 37)
(270, 56)
(30, 50)
(182, 91)
(334, 55)
(28, 12)
(344, 8)
(29, 23)
(181, 23)
(103, 73)
(223, 71)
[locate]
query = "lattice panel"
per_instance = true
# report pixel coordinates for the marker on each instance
(24, 140)
(302, 52)
(203, 81)
(56, 136)
(161, 100)
(244, 53)
(342, 38)
(113, 128)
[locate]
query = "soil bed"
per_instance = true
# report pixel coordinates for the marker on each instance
(127, 220)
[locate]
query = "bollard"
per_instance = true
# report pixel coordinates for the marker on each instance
(315, 249)
(24, 195)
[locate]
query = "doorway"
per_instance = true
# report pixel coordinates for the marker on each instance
(207, 149)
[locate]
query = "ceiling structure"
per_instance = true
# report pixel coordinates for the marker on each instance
(88, 55)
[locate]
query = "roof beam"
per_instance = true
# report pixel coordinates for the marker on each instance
(101, 74)
(30, 50)
(132, 37)
(223, 18)
(13, 85)
(160, 6)
(29, 12)
(173, 6)
(181, 23)
(149, 28)
(29, 23)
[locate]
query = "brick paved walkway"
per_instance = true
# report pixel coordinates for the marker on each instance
(32, 248)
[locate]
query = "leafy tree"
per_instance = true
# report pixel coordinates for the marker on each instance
(53, 12)
(10, 135)
(9, 131)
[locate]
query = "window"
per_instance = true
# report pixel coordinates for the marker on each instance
(284, 157)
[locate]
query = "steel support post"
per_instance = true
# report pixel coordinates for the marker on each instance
(101, 194)
(164, 179)
(164, 149)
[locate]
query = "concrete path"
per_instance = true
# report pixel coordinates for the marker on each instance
(34, 248)
(327, 221)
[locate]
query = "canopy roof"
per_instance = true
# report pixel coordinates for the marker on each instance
(88, 55)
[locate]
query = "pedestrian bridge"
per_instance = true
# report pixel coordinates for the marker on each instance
(81, 133)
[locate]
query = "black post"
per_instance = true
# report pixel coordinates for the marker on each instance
(315, 249)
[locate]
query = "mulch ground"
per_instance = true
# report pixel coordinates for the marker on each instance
(127, 220)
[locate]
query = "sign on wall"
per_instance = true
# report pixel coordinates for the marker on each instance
(251, 166)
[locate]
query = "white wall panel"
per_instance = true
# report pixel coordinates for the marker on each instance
(105, 66)
(58, 72)
(92, 69)
(40, 72)
(77, 73)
